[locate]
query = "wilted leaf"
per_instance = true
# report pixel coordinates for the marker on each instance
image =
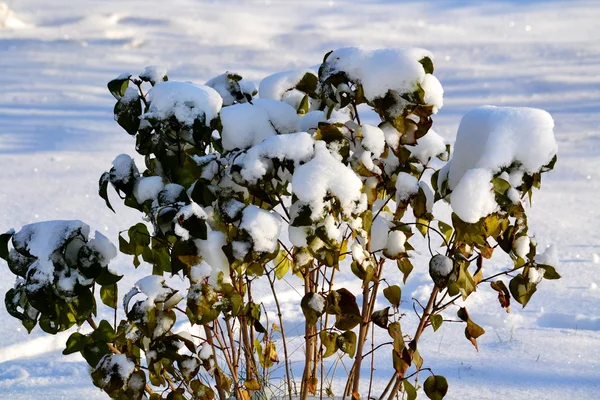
(393, 294)
(503, 294)
(435, 387)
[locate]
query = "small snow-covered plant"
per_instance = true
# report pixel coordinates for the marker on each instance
(329, 173)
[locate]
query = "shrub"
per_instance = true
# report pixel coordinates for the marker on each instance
(239, 191)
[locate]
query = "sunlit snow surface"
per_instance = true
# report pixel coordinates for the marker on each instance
(57, 135)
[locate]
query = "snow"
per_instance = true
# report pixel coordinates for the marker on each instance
(184, 101)
(317, 303)
(57, 136)
(373, 139)
(104, 247)
(434, 93)
(406, 186)
(548, 257)
(263, 227)
(427, 147)
(211, 251)
(154, 74)
(473, 197)
(521, 246)
(395, 243)
(42, 239)
(224, 85)
(153, 286)
(494, 137)
(116, 363)
(380, 70)
(324, 174)
(441, 265)
(296, 147)
(205, 352)
(248, 124)
(123, 169)
(147, 188)
(282, 86)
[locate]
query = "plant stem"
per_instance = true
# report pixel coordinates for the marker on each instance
(310, 341)
(283, 339)
(209, 339)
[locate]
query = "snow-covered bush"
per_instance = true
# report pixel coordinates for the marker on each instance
(239, 191)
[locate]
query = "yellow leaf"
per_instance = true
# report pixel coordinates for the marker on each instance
(252, 384)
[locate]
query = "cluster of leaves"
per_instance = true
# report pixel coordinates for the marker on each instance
(198, 213)
(55, 289)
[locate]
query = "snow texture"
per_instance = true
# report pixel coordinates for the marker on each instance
(263, 227)
(256, 162)
(148, 188)
(317, 303)
(406, 186)
(246, 125)
(473, 197)
(395, 243)
(184, 101)
(427, 146)
(441, 265)
(282, 86)
(322, 175)
(521, 246)
(382, 70)
(154, 74)
(494, 137)
(548, 257)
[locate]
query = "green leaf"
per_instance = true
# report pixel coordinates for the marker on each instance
(549, 272)
(176, 395)
(409, 389)
(311, 315)
(103, 189)
(308, 84)
(436, 321)
(117, 87)
(405, 266)
(349, 313)
(304, 106)
(75, 343)
(521, 289)
(435, 387)
(346, 342)
(393, 294)
(104, 332)
(127, 113)
(282, 264)
(380, 318)
(11, 300)
(329, 341)
(446, 230)
(184, 255)
(427, 64)
(500, 185)
(236, 301)
(93, 352)
(109, 295)
(419, 204)
(4, 239)
(107, 278)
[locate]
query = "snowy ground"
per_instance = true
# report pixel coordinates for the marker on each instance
(57, 136)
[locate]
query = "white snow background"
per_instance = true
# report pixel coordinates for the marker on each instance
(57, 135)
